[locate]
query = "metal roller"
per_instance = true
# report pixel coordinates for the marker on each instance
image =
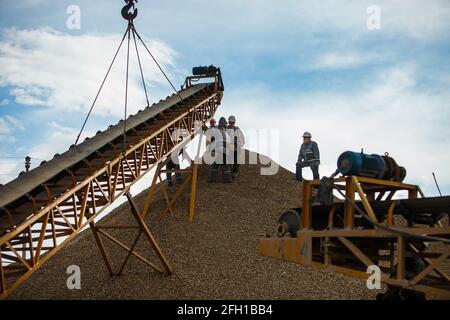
(205, 70)
(289, 222)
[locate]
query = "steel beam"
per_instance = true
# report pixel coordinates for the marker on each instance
(350, 248)
(47, 210)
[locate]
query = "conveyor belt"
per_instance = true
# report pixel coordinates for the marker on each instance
(26, 182)
(43, 209)
(15, 196)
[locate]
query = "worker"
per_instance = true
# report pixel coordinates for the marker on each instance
(221, 147)
(174, 165)
(238, 143)
(209, 133)
(210, 138)
(308, 156)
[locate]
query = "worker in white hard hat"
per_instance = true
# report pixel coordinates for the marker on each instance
(212, 125)
(309, 156)
(238, 143)
(220, 146)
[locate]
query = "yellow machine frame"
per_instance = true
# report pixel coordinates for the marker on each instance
(299, 249)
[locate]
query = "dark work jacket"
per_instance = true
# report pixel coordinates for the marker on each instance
(222, 144)
(239, 140)
(309, 152)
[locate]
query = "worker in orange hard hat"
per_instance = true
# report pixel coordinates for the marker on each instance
(220, 145)
(210, 137)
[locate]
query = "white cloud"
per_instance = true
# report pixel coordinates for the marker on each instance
(8, 125)
(62, 73)
(61, 137)
(421, 20)
(48, 68)
(16, 123)
(416, 19)
(9, 170)
(342, 60)
(58, 140)
(241, 20)
(28, 3)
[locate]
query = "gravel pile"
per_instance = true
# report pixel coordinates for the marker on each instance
(215, 257)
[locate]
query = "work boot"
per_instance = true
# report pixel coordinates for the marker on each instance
(235, 172)
(227, 177)
(212, 175)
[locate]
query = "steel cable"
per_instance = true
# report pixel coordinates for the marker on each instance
(159, 66)
(140, 68)
(101, 87)
(126, 94)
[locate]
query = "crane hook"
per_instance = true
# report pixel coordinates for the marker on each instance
(126, 14)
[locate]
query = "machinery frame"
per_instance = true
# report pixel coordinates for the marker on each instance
(432, 279)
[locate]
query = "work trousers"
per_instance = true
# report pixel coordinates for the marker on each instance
(173, 166)
(314, 168)
(213, 172)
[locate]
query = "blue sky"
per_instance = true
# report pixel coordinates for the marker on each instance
(288, 66)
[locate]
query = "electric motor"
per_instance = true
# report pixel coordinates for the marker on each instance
(371, 166)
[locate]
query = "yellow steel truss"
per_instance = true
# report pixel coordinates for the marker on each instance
(300, 249)
(48, 224)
